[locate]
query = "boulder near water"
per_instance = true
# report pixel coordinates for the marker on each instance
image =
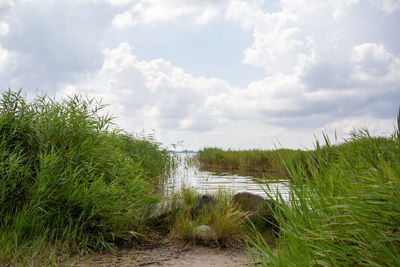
(163, 208)
(204, 200)
(256, 205)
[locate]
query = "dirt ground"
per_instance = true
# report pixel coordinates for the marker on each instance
(168, 255)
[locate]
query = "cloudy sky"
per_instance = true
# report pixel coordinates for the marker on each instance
(228, 73)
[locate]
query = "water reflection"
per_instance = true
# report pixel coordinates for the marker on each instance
(187, 175)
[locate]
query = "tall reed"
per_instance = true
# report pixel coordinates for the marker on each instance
(69, 181)
(344, 210)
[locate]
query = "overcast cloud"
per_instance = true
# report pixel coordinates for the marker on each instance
(229, 73)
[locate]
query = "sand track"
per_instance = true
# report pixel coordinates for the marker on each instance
(168, 255)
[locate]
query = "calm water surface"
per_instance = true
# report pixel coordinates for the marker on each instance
(208, 182)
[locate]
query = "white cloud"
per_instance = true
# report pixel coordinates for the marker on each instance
(4, 28)
(387, 5)
(154, 93)
(5, 3)
(244, 12)
(8, 62)
(283, 39)
(329, 64)
(186, 11)
(320, 46)
(118, 59)
(366, 121)
(54, 41)
(119, 2)
(5, 6)
(322, 75)
(375, 64)
(124, 20)
(207, 15)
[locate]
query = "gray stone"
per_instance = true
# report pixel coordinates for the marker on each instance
(204, 232)
(204, 200)
(163, 208)
(256, 205)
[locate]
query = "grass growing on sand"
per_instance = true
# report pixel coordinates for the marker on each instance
(68, 182)
(344, 209)
(231, 225)
(224, 217)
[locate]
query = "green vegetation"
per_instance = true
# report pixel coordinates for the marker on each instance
(344, 208)
(68, 182)
(224, 217)
(71, 183)
(250, 161)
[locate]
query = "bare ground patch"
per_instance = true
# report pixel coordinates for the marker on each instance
(167, 255)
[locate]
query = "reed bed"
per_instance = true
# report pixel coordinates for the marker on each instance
(256, 162)
(344, 208)
(70, 182)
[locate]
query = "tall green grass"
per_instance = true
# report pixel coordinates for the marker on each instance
(251, 161)
(344, 208)
(68, 181)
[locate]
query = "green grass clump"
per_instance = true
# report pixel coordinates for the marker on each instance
(226, 219)
(67, 181)
(250, 161)
(344, 208)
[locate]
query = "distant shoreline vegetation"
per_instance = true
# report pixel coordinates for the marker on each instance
(182, 151)
(255, 161)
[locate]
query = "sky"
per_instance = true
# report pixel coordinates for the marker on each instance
(228, 73)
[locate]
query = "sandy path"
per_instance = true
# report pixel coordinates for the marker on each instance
(193, 256)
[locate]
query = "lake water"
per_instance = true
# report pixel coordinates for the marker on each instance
(190, 176)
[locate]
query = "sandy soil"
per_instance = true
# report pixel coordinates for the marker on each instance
(168, 255)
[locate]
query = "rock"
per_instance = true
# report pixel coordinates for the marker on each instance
(163, 208)
(255, 204)
(204, 200)
(204, 232)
